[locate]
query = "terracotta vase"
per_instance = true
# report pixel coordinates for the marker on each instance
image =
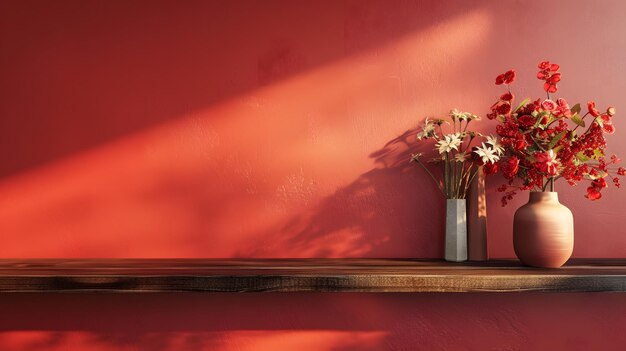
(543, 231)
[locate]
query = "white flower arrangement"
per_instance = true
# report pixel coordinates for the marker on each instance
(458, 157)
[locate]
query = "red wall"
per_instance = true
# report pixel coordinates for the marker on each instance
(278, 129)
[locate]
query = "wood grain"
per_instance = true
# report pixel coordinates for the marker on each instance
(300, 275)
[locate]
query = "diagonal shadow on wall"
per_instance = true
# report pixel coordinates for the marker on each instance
(77, 74)
(373, 216)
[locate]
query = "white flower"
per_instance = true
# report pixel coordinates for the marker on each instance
(462, 116)
(450, 142)
(415, 157)
(460, 157)
(493, 141)
(487, 154)
(428, 130)
(456, 114)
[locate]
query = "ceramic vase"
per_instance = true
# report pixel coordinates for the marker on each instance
(477, 219)
(456, 230)
(543, 231)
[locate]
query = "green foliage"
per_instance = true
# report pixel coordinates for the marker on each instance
(556, 139)
(579, 121)
(521, 104)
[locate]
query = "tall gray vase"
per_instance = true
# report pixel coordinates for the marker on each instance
(456, 230)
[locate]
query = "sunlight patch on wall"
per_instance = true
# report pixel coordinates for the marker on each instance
(244, 177)
(263, 340)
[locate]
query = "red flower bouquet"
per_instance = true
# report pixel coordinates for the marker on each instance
(548, 140)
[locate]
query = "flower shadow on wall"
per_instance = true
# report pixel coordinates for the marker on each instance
(231, 179)
(372, 216)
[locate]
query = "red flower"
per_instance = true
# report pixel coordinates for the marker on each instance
(563, 108)
(608, 128)
(503, 108)
(547, 69)
(599, 183)
(500, 79)
(555, 78)
(607, 125)
(520, 143)
(490, 168)
(526, 121)
(506, 78)
(548, 73)
(509, 76)
(548, 105)
(550, 84)
(546, 162)
(591, 106)
(593, 193)
(544, 65)
(532, 128)
(536, 105)
(507, 97)
(550, 88)
(510, 167)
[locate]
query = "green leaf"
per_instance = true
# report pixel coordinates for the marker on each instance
(575, 109)
(556, 139)
(581, 157)
(579, 121)
(601, 174)
(533, 148)
(539, 117)
(597, 154)
(521, 104)
(599, 121)
(557, 149)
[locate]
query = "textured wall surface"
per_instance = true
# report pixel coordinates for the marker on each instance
(275, 129)
(313, 322)
(279, 129)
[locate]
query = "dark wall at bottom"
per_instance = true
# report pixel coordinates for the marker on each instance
(309, 321)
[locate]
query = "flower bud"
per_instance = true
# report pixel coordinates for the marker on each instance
(610, 111)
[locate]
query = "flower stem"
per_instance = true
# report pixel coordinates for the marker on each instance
(582, 119)
(430, 174)
(446, 176)
(549, 181)
(470, 179)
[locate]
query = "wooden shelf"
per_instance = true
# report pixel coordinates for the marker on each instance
(299, 275)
